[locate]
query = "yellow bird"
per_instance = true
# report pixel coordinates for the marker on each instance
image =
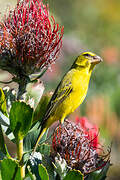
(70, 92)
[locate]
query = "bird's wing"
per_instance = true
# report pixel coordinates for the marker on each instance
(61, 93)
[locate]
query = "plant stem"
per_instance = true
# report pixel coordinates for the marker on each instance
(19, 157)
(21, 89)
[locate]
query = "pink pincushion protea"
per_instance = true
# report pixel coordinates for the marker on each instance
(30, 40)
(90, 130)
(77, 148)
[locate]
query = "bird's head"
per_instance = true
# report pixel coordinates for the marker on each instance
(87, 60)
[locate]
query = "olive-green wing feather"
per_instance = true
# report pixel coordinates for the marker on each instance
(58, 98)
(61, 93)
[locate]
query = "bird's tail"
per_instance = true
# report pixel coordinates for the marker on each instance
(39, 138)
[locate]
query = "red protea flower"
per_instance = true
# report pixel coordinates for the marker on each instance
(72, 143)
(89, 129)
(30, 39)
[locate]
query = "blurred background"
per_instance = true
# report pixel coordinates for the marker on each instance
(90, 26)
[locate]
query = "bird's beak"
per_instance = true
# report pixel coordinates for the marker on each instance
(96, 60)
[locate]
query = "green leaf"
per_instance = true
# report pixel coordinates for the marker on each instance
(74, 174)
(2, 143)
(41, 108)
(44, 149)
(43, 172)
(46, 161)
(29, 175)
(4, 120)
(3, 107)
(30, 139)
(25, 157)
(100, 174)
(20, 119)
(10, 170)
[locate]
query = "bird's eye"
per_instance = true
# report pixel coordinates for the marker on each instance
(87, 55)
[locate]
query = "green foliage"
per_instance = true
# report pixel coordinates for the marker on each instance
(74, 174)
(44, 149)
(20, 119)
(10, 96)
(10, 169)
(3, 111)
(3, 107)
(41, 108)
(2, 142)
(100, 174)
(43, 172)
(29, 175)
(47, 162)
(30, 139)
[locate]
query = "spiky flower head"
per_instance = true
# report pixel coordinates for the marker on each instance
(90, 130)
(76, 147)
(30, 39)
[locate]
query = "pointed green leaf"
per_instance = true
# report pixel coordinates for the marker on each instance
(44, 149)
(30, 139)
(20, 119)
(3, 107)
(43, 172)
(74, 174)
(41, 108)
(10, 170)
(2, 143)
